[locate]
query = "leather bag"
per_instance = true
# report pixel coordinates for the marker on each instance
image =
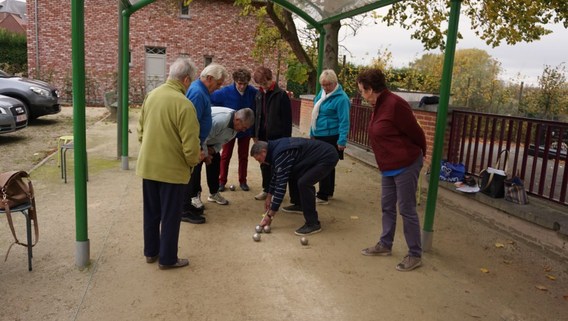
(16, 189)
(493, 178)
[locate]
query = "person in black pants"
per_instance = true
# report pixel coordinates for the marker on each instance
(302, 163)
(273, 117)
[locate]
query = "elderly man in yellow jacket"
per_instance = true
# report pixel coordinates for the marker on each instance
(169, 134)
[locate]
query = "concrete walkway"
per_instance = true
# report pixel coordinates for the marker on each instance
(485, 265)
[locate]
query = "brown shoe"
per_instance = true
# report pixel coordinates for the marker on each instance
(377, 250)
(152, 259)
(178, 264)
(409, 263)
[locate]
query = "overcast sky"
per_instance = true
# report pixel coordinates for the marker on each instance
(528, 59)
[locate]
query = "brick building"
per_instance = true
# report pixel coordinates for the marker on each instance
(206, 31)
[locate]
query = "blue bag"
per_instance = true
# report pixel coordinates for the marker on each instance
(450, 172)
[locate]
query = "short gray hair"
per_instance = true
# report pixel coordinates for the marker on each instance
(258, 147)
(246, 115)
(328, 75)
(181, 68)
(214, 70)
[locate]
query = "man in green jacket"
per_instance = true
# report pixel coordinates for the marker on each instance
(168, 131)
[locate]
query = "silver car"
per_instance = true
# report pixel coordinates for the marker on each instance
(39, 98)
(13, 115)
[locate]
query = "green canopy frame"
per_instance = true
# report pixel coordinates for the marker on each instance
(316, 13)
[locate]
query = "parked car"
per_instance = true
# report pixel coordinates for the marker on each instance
(39, 98)
(13, 115)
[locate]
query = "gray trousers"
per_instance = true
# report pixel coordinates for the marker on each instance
(401, 190)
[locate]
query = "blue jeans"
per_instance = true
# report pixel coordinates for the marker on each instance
(401, 190)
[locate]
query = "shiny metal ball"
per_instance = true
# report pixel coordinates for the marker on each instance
(304, 240)
(256, 237)
(232, 187)
(267, 229)
(258, 229)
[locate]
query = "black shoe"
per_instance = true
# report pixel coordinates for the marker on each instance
(307, 229)
(192, 218)
(152, 259)
(292, 208)
(245, 187)
(221, 187)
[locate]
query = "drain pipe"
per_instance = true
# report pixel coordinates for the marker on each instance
(36, 38)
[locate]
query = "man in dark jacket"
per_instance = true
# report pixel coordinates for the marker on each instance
(273, 117)
(302, 163)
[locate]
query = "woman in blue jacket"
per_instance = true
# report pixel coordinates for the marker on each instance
(330, 123)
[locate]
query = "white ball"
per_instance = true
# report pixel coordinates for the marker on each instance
(256, 237)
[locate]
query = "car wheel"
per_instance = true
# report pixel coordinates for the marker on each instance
(28, 111)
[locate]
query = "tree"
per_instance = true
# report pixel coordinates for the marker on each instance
(551, 98)
(475, 82)
(511, 21)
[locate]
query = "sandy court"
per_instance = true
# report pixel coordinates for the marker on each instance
(230, 277)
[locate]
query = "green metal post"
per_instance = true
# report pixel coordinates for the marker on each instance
(441, 119)
(79, 131)
(119, 92)
(125, 76)
(124, 85)
(321, 45)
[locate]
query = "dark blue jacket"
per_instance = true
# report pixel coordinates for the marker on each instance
(311, 152)
(230, 97)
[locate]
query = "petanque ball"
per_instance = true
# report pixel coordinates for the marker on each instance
(258, 229)
(304, 240)
(256, 237)
(232, 188)
(267, 229)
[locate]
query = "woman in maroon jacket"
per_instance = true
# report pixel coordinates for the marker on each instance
(399, 145)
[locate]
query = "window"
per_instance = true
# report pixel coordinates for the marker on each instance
(207, 60)
(156, 50)
(184, 13)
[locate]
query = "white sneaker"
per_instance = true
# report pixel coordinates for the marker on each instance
(217, 198)
(196, 201)
(321, 201)
(261, 196)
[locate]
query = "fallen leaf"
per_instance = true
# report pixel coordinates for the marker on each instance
(354, 217)
(499, 245)
(484, 270)
(508, 261)
(565, 297)
(541, 287)
(547, 268)
(551, 277)
(511, 242)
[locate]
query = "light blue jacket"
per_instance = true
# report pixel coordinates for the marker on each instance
(333, 117)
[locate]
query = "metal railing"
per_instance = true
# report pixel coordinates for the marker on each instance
(537, 149)
(359, 116)
(296, 105)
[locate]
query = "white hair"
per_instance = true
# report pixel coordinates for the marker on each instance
(328, 75)
(181, 68)
(214, 70)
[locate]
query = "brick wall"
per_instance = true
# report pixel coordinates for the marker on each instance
(213, 29)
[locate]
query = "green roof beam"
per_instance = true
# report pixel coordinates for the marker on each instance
(285, 4)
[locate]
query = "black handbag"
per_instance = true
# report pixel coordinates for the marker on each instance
(493, 178)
